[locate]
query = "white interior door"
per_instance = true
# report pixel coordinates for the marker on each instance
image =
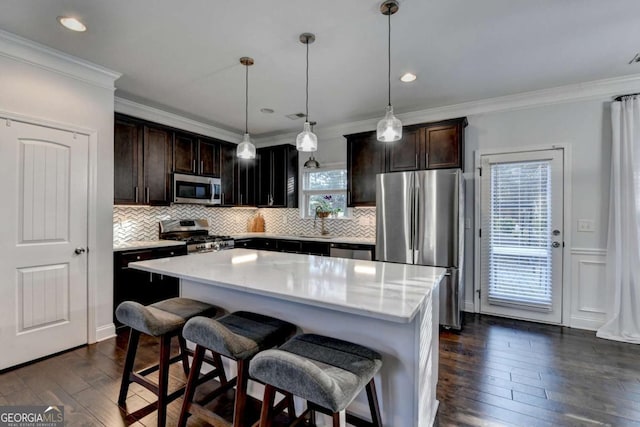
(43, 220)
(522, 235)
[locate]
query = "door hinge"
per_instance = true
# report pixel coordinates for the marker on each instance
(479, 291)
(480, 171)
(480, 232)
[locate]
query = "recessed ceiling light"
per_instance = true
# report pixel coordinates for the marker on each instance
(72, 24)
(408, 77)
(266, 111)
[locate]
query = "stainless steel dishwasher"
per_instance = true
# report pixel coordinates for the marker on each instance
(351, 250)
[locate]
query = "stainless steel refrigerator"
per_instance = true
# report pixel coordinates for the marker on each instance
(420, 220)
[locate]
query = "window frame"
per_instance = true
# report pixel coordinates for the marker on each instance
(305, 194)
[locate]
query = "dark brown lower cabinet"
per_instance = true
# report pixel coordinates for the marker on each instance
(139, 286)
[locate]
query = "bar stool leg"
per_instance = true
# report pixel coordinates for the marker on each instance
(184, 354)
(266, 414)
(312, 418)
(372, 396)
(241, 393)
(291, 407)
(218, 364)
(134, 337)
(163, 379)
(191, 385)
(340, 419)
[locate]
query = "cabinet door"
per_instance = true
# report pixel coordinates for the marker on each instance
(245, 176)
(228, 174)
(365, 159)
(209, 155)
(404, 155)
(157, 166)
(280, 176)
(443, 146)
(127, 177)
(185, 153)
(264, 180)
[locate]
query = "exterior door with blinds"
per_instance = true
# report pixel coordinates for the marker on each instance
(522, 235)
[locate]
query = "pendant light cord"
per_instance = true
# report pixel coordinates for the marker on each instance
(246, 99)
(389, 49)
(307, 91)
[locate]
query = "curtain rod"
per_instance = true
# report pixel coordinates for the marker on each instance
(619, 98)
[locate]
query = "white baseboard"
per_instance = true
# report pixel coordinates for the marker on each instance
(585, 323)
(468, 307)
(105, 332)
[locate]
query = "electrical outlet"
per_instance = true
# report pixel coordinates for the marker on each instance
(586, 225)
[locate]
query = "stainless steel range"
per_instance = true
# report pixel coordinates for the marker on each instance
(196, 233)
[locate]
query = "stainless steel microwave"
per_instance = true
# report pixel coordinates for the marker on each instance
(200, 190)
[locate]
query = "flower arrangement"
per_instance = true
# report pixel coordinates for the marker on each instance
(324, 207)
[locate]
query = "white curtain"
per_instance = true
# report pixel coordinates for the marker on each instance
(623, 247)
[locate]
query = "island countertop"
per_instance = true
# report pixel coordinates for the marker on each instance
(387, 291)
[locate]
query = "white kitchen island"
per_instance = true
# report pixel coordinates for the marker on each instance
(392, 308)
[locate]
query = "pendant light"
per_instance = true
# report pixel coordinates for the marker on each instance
(246, 149)
(390, 128)
(307, 140)
(312, 163)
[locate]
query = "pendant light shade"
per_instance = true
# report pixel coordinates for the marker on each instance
(306, 140)
(246, 149)
(390, 127)
(312, 163)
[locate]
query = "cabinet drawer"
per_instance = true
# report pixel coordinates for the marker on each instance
(128, 257)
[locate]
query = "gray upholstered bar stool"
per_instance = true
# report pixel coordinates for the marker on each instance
(164, 320)
(238, 336)
(328, 373)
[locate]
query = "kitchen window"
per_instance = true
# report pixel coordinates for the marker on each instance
(324, 187)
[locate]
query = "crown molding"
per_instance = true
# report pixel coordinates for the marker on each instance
(47, 58)
(598, 89)
(135, 109)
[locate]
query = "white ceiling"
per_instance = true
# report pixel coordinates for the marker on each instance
(182, 56)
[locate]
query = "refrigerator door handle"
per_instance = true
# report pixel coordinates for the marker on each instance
(415, 238)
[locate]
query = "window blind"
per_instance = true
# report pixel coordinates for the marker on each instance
(520, 265)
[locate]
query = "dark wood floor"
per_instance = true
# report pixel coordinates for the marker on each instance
(501, 372)
(497, 372)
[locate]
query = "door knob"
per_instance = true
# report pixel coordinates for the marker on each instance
(79, 251)
(555, 232)
(555, 244)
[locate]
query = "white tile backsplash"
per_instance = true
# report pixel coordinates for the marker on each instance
(141, 222)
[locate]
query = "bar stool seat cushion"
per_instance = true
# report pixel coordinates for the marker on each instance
(238, 335)
(326, 371)
(162, 317)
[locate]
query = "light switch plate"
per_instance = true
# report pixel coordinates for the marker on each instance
(586, 225)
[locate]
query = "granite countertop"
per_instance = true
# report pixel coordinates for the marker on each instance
(388, 291)
(145, 244)
(310, 237)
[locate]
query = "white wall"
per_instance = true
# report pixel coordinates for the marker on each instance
(69, 98)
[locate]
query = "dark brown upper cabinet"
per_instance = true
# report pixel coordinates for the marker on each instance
(142, 163)
(209, 156)
(276, 180)
(228, 174)
(245, 182)
(443, 144)
(365, 159)
(436, 145)
(196, 155)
